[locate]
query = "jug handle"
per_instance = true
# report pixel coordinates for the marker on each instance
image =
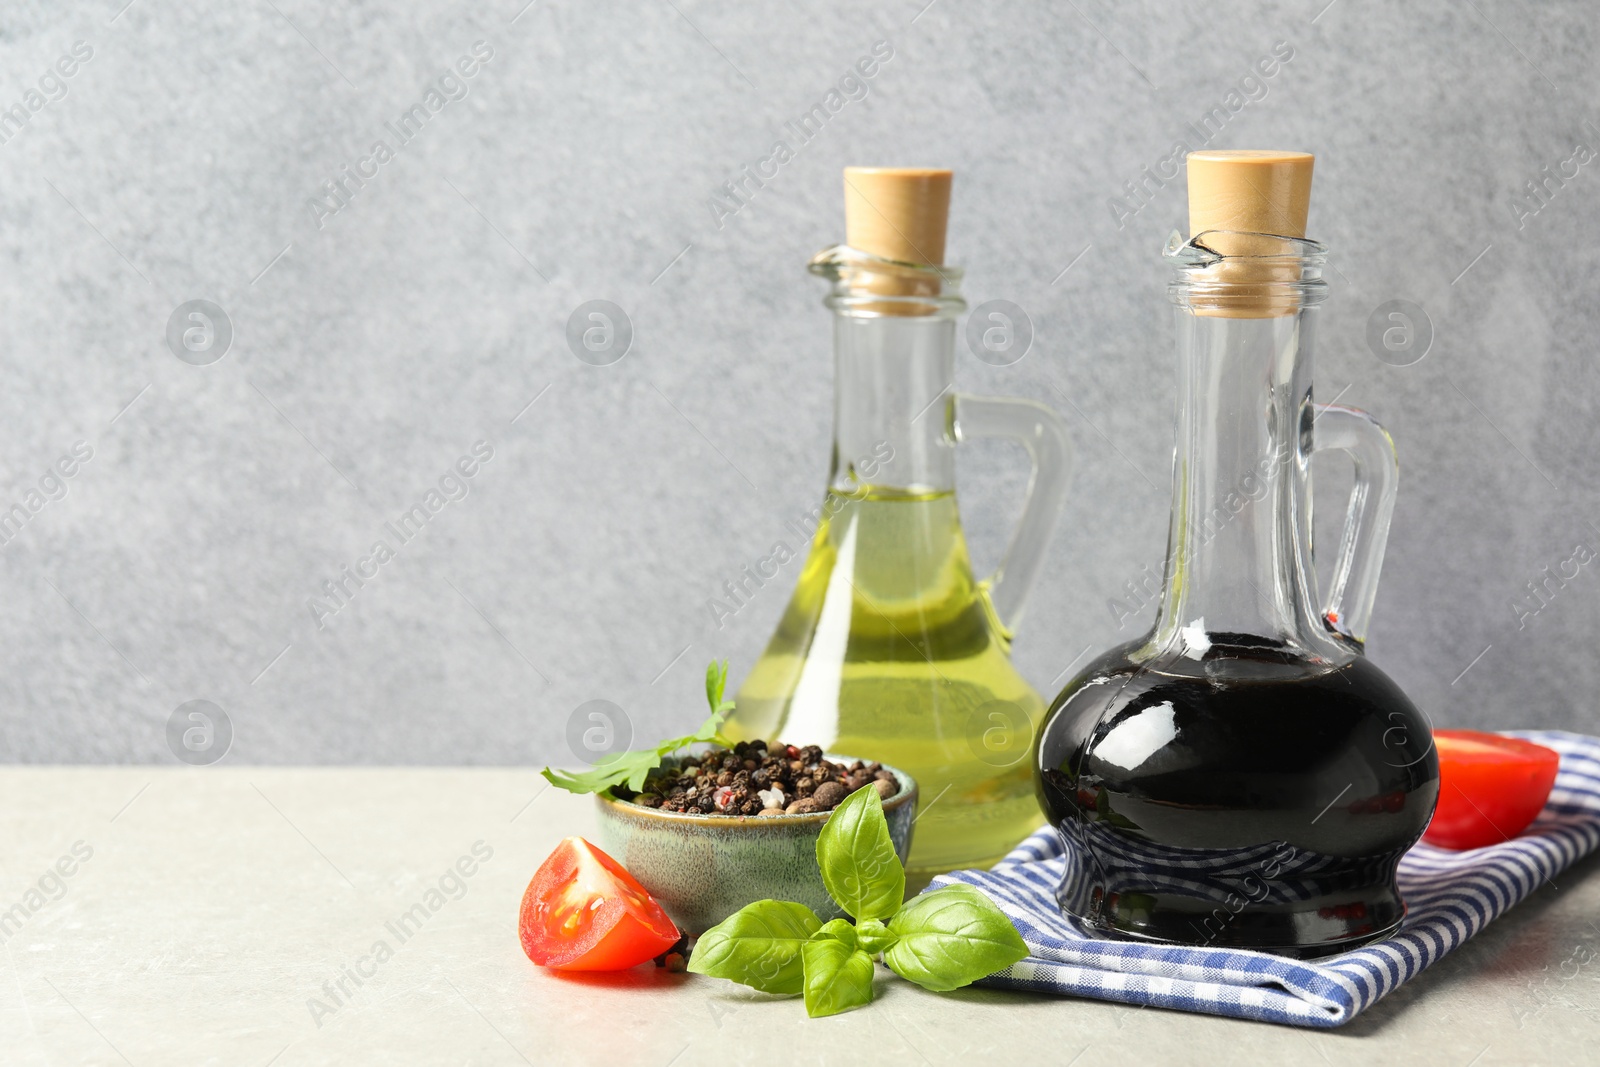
(1348, 609)
(1039, 430)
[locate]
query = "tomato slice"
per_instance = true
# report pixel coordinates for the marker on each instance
(584, 912)
(1490, 787)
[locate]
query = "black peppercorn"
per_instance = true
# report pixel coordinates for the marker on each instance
(828, 795)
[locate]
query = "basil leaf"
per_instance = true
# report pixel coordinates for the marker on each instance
(836, 930)
(838, 976)
(874, 937)
(952, 937)
(857, 860)
(758, 946)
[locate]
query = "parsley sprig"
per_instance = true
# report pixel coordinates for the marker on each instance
(634, 767)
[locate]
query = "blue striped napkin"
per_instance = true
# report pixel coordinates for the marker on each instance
(1449, 895)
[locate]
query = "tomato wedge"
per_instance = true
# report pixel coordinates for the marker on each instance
(1490, 787)
(584, 912)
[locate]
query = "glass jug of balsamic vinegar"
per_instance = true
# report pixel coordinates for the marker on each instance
(1243, 776)
(890, 648)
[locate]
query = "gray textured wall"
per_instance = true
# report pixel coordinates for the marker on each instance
(376, 343)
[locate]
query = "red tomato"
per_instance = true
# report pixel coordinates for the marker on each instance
(584, 912)
(1490, 787)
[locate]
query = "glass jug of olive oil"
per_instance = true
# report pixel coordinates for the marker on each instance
(891, 648)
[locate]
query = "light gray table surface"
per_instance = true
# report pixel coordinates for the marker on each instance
(216, 903)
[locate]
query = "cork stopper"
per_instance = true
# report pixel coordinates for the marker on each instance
(1251, 192)
(898, 213)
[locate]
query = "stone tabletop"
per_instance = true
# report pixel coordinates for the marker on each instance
(231, 915)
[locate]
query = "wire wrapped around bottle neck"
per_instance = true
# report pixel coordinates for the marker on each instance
(1229, 274)
(867, 285)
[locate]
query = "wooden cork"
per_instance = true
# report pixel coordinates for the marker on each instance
(1249, 192)
(900, 214)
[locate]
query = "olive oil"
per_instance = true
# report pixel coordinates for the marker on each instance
(889, 650)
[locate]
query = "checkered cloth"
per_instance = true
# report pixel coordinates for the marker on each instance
(1449, 895)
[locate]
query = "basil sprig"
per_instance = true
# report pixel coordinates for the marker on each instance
(941, 940)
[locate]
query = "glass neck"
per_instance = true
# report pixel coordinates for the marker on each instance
(1239, 571)
(892, 379)
(894, 329)
(1238, 553)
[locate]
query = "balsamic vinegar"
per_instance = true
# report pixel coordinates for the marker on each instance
(1258, 802)
(1242, 776)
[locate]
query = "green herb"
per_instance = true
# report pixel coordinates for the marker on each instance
(838, 971)
(950, 938)
(856, 856)
(759, 946)
(873, 936)
(941, 940)
(634, 767)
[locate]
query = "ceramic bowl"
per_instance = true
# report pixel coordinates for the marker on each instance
(703, 868)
